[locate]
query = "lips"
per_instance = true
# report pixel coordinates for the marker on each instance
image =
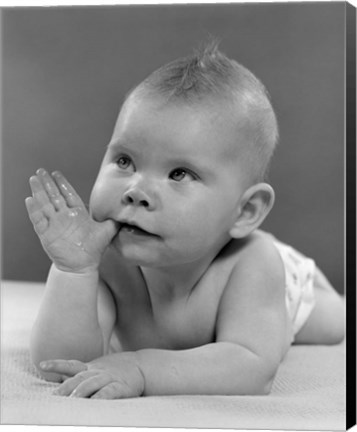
(134, 229)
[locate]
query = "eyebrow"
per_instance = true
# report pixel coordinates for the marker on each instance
(119, 145)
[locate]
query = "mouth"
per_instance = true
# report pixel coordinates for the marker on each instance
(134, 229)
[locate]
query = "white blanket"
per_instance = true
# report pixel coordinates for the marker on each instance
(308, 393)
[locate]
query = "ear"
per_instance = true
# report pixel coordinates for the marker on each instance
(254, 205)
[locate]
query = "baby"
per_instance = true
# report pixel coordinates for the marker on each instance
(167, 286)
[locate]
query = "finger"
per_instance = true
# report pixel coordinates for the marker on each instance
(34, 210)
(40, 196)
(71, 384)
(38, 219)
(64, 367)
(67, 190)
(51, 189)
(91, 385)
(113, 390)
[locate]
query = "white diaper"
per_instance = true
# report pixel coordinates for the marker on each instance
(299, 278)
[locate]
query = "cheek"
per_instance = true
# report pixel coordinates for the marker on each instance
(99, 202)
(215, 214)
(200, 219)
(94, 206)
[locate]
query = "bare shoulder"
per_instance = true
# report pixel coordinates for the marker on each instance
(258, 258)
(252, 268)
(256, 250)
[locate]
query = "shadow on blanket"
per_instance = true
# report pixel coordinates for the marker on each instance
(308, 393)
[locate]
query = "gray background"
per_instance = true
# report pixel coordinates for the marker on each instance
(66, 70)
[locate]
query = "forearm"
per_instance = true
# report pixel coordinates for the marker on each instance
(217, 368)
(67, 323)
(220, 368)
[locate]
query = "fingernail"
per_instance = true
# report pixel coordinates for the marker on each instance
(40, 171)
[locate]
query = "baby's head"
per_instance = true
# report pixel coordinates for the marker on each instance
(209, 80)
(187, 160)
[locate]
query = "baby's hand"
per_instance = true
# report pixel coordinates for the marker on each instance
(113, 376)
(70, 237)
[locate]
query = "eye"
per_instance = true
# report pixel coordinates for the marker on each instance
(124, 162)
(180, 174)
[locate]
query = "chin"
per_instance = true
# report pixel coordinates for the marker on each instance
(138, 255)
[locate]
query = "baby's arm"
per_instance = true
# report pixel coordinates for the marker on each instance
(69, 323)
(252, 336)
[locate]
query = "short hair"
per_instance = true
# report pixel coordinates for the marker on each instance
(208, 73)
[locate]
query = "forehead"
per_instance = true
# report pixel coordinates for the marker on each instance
(211, 128)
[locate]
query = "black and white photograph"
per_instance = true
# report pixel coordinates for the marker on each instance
(174, 215)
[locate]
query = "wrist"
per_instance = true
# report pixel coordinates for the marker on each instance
(82, 273)
(139, 374)
(129, 363)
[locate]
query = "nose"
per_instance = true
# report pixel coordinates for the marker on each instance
(138, 197)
